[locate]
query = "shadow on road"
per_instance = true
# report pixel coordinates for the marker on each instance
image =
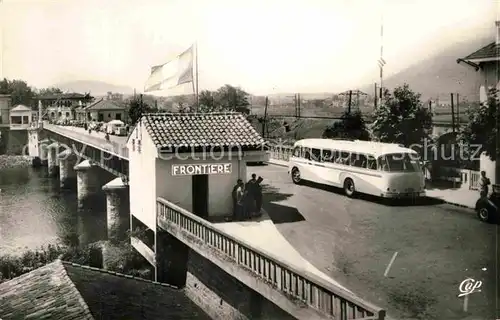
(256, 164)
(279, 213)
(283, 214)
(408, 202)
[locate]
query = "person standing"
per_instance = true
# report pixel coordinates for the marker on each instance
(484, 183)
(251, 187)
(258, 195)
(238, 195)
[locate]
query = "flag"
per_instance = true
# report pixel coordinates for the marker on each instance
(381, 62)
(172, 73)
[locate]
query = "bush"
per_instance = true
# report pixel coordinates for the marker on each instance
(122, 258)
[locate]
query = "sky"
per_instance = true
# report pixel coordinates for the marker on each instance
(265, 47)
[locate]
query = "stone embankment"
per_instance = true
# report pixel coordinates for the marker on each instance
(10, 161)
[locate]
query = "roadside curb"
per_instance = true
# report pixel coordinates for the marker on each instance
(452, 203)
(277, 164)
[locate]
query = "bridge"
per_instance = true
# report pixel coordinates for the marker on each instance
(276, 286)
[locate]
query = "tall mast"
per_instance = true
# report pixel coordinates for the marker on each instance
(196, 66)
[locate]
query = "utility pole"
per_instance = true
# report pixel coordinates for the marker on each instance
(452, 113)
(265, 118)
(458, 112)
(376, 96)
(298, 104)
(430, 106)
(350, 102)
(295, 105)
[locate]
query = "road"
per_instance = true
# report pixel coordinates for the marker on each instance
(353, 240)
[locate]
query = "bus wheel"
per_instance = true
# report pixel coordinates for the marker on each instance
(349, 188)
(296, 176)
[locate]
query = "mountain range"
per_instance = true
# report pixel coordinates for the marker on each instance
(95, 88)
(434, 77)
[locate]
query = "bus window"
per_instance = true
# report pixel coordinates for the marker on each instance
(316, 154)
(358, 160)
(327, 156)
(296, 152)
(398, 162)
(344, 158)
(371, 163)
(307, 153)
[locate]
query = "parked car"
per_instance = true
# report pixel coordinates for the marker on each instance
(114, 126)
(487, 207)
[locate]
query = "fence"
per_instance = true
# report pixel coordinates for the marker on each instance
(297, 285)
(466, 178)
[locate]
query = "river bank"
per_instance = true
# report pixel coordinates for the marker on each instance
(12, 161)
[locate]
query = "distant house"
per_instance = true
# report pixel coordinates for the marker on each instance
(61, 106)
(485, 61)
(103, 111)
(21, 117)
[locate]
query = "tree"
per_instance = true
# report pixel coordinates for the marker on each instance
(136, 109)
(229, 98)
(481, 129)
(351, 126)
(402, 118)
(208, 102)
(19, 90)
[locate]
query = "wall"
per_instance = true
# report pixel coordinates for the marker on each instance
(107, 115)
(33, 143)
(5, 106)
(142, 172)
(490, 74)
(16, 141)
(222, 296)
(177, 189)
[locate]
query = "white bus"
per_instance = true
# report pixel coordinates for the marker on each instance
(380, 169)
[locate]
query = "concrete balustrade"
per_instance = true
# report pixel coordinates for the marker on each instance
(67, 173)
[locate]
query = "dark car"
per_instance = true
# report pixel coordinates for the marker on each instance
(487, 207)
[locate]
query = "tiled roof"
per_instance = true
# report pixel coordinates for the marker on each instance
(44, 293)
(492, 50)
(20, 107)
(64, 290)
(103, 104)
(56, 96)
(201, 130)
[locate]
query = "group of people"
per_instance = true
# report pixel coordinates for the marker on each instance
(247, 198)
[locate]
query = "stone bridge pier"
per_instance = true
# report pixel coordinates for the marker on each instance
(53, 151)
(92, 180)
(67, 173)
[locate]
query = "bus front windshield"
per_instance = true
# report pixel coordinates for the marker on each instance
(399, 162)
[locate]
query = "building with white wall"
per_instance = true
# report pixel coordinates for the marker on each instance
(21, 117)
(191, 160)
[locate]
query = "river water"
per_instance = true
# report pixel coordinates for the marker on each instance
(35, 212)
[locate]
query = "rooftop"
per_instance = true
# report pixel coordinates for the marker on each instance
(103, 104)
(491, 51)
(201, 130)
(20, 108)
(55, 96)
(62, 290)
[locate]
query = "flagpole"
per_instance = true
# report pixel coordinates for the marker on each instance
(196, 66)
(382, 55)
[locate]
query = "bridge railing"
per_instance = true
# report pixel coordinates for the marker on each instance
(297, 284)
(280, 152)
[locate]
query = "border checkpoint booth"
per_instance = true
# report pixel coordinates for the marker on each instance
(191, 160)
